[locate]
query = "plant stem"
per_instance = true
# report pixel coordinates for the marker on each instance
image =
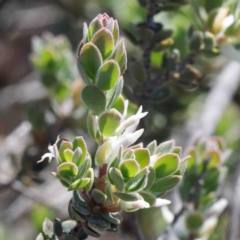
(102, 170)
(194, 190)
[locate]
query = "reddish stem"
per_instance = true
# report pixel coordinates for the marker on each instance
(102, 170)
(191, 236)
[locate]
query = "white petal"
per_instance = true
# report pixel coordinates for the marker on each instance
(130, 138)
(161, 202)
(46, 155)
(133, 206)
(133, 120)
(104, 151)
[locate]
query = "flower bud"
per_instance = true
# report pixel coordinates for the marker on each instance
(100, 45)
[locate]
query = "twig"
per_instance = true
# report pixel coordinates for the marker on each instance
(194, 190)
(147, 48)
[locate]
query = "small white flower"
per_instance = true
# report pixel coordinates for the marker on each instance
(133, 206)
(53, 152)
(161, 202)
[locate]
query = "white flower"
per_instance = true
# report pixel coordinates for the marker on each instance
(53, 152)
(127, 136)
(133, 206)
(161, 202)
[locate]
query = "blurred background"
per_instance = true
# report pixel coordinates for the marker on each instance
(40, 99)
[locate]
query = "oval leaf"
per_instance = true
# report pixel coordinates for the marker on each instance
(79, 142)
(129, 168)
(117, 178)
(128, 197)
(165, 147)
(103, 39)
(166, 165)
(107, 75)
(98, 196)
(80, 183)
(91, 59)
(165, 184)
(137, 182)
(120, 56)
(64, 145)
(142, 156)
(67, 169)
(109, 122)
(94, 98)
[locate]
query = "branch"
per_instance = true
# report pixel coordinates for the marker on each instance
(194, 190)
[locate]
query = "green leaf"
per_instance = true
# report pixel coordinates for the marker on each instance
(128, 197)
(68, 154)
(83, 168)
(128, 154)
(98, 196)
(119, 104)
(67, 169)
(192, 161)
(91, 59)
(90, 125)
(77, 156)
(117, 178)
(81, 209)
(129, 168)
(91, 232)
(82, 72)
(64, 145)
(120, 56)
(137, 71)
(196, 41)
(109, 121)
(114, 218)
(103, 39)
(115, 31)
(113, 95)
(98, 222)
(165, 184)
(115, 162)
(109, 193)
(94, 26)
(177, 150)
(137, 182)
(107, 75)
(211, 180)
(166, 147)
(166, 165)
(161, 94)
(182, 167)
(209, 41)
(214, 158)
(90, 175)
(80, 183)
(194, 221)
(79, 142)
(143, 157)
(152, 147)
(94, 98)
(151, 178)
(148, 197)
(57, 226)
